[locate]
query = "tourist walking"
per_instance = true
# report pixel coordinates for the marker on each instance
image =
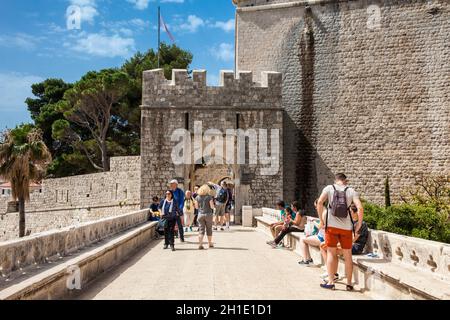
(194, 196)
(205, 205)
(188, 211)
(169, 213)
(339, 227)
(221, 202)
(228, 206)
(178, 195)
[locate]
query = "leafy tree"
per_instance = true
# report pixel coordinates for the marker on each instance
(126, 122)
(74, 148)
(89, 105)
(23, 159)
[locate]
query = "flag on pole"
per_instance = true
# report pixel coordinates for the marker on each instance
(167, 29)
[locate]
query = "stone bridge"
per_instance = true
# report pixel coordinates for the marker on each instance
(120, 258)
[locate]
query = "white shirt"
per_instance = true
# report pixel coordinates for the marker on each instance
(335, 222)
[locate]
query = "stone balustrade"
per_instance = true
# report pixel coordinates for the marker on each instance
(406, 267)
(271, 213)
(425, 256)
(40, 247)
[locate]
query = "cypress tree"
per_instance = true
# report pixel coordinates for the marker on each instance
(387, 193)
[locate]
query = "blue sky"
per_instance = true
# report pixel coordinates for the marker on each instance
(36, 43)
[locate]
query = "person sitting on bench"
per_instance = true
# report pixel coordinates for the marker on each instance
(298, 225)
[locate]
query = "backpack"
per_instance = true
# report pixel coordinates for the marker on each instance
(222, 197)
(338, 206)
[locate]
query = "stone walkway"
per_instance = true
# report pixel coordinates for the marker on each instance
(241, 266)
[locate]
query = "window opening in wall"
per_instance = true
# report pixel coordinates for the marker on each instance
(186, 121)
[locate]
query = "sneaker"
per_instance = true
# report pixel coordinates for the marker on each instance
(336, 278)
(173, 248)
(215, 228)
(305, 263)
(221, 229)
(190, 228)
(271, 243)
(186, 229)
(166, 246)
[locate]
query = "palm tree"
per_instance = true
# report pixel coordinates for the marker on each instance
(24, 158)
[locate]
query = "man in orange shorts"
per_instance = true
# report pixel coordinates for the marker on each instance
(339, 226)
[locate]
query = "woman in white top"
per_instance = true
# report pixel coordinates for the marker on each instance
(189, 211)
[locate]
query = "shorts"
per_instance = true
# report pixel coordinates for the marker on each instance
(220, 209)
(333, 236)
(357, 249)
(205, 222)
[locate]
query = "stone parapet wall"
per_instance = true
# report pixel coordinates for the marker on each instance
(72, 200)
(365, 88)
(42, 247)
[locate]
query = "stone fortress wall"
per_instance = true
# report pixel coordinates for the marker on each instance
(365, 88)
(73, 200)
(238, 103)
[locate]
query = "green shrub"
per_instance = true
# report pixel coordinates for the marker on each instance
(411, 220)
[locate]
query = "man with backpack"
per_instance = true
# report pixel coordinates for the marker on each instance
(339, 227)
(221, 202)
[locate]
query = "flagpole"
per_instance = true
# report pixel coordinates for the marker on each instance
(159, 34)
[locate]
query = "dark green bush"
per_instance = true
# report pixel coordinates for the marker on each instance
(411, 220)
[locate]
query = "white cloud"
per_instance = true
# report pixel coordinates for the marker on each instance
(14, 89)
(191, 25)
(19, 40)
(88, 9)
(125, 27)
(139, 4)
(224, 52)
(226, 26)
(143, 4)
(104, 46)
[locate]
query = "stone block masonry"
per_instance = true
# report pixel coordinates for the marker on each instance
(238, 103)
(73, 200)
(365, 88)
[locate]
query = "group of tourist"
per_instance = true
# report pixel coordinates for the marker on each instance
(340, 232)
(180, 211)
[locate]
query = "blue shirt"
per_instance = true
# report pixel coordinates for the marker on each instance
(178, 195)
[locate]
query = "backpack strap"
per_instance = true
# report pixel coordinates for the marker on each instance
(353, 224)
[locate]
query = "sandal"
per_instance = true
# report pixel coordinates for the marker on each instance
(328, 286)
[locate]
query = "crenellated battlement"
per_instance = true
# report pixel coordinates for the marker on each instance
(233, 90)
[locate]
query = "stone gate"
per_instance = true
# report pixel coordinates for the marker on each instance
(186, 104)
